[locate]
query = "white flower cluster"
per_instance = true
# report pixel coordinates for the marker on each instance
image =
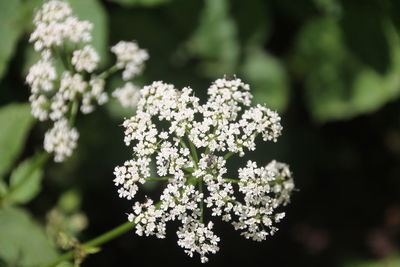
(61, 140)
(128, 95)
(190, 151)
(55, 24)
(130, 58)
(58, 94)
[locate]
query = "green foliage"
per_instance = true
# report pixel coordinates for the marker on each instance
(362, 21)
(70, 201)
(26, 244)
(215, 39)
(390, 261)
(10, 30)
(338, 84)
(15, 121)
(25, 180)
(267, 78)
(148, 3)
(256, 29)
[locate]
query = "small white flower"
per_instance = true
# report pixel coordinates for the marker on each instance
(130, 58)
(85, 59)
(128, 95)
(61, 140)
(41, 76)
(55, 24)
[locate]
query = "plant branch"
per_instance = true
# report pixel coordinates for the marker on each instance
(107, 236)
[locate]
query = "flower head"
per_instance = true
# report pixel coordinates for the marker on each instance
(190, 153)
(59, 93)
(130, 58)
(61, 140)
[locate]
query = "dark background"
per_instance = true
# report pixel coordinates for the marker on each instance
(330, 68)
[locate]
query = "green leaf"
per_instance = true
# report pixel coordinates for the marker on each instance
(147, 3)
(15, 121)
(25, 180)
(254, 29)
(215, 40)
(23, 241)
(338, 84)
(10, 31)
(70, 201)
(93, 11)
(389, 261)
(363, 30)
(394, 7)
(267, 78)
(3, 189)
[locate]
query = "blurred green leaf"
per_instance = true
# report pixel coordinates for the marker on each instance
(394, 10)
(338, 85)
(70, 201)
(267, 77)
(3, 189)
(23, 242)
(15, 121)
(362, 21)
(25, 180)
(331, 7)
(215, 39)
(254, 21)
(389, 262)
(93, 11)
(10, 31)
(148, 3)
(66, 264)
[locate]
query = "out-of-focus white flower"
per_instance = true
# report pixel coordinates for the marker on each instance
(59, 93)
(61, 140)
(56, 24)
(130, 58)
(128, 95)
(85, 59)
(41, 76)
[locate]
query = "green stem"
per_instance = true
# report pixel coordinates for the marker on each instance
(107, 236)
(231, 180)
(192, 158)
(108, 72)
(228, 155)
(202, 201)
(158, 178)
(194, 153)
(74, 111)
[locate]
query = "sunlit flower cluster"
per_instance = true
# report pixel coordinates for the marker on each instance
(190, 144)
(63, 81)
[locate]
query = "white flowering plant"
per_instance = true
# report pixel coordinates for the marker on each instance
(178, 140)
(58, 91)
(190, 151)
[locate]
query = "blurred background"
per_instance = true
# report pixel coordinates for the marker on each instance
(330, 68)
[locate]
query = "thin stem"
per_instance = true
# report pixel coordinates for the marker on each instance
(190, 156)
(158, 178)
(74, 111)
(107, 236)
(194, 153)
(108, 72)
(231, 180)
(200, 184)
(228, 155)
